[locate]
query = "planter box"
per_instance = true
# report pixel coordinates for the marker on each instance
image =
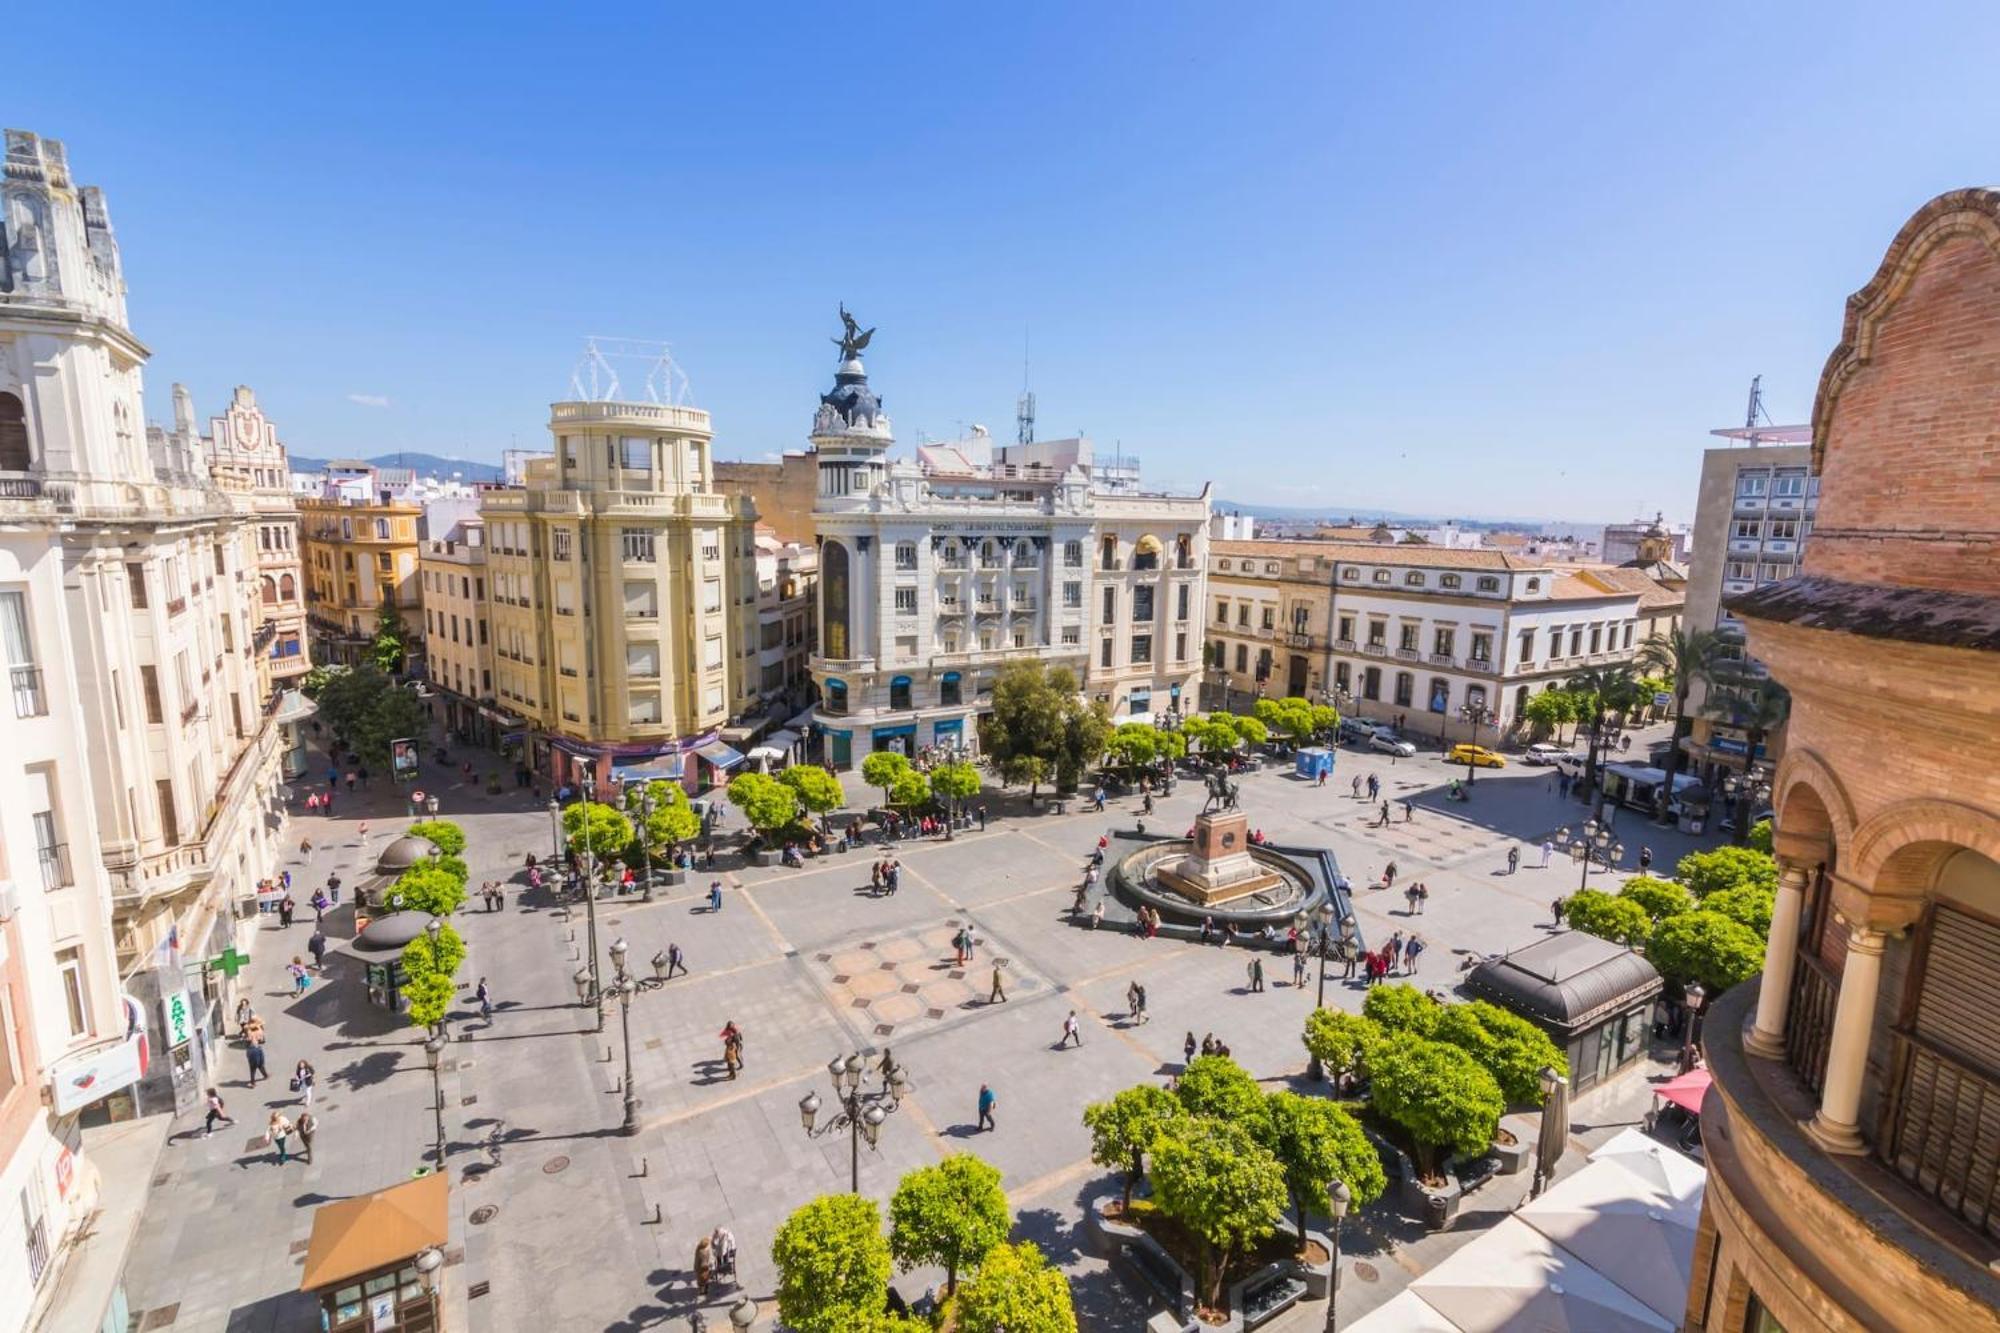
(1264, 1295)
(764, 858)
(673, 879)
(1513, 1157)
(1437, 1208)
(1319, 1278)
(1107, 1233)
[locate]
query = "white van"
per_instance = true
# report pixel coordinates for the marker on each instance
(1543, 753)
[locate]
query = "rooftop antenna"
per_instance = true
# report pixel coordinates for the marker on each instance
(595, 378)
(1024, 406)
(1756, 408)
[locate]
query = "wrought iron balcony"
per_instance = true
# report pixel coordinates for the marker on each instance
(30, 699)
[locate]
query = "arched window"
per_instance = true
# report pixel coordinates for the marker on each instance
(836, 696)
(14, 454)
(833, 584)
(1406, 686)
(948, 691)
(288, 589)
(1520, 701)
(899, 693)
(269, 587)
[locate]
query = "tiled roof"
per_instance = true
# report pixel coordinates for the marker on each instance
(1612, 581)
(1425, 557)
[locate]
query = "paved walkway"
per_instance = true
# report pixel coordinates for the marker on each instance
(562, 1222)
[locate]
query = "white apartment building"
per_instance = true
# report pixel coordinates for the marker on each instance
(936, 574)
(1427, 636)
(139, 797)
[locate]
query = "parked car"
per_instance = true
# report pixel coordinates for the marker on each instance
(1388, 742)
(1571, 764)
(1354, 730)
(1542, 752)
(1476, 755)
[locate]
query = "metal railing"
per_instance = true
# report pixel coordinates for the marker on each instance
(54, 860)
(1940, 1129)
(1809, 1020)
(30, 699)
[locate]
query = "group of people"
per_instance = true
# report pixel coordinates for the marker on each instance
(886, 876)
(1209, 1045)
(714, 1260)
(1401, 952)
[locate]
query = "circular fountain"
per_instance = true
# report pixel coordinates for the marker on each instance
(1218, 873)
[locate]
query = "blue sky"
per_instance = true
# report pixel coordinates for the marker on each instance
(1493, 260)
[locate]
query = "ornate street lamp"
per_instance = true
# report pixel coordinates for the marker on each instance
(861, 1113)
(1475, 715)
(434, 1056)
(1338, 1198)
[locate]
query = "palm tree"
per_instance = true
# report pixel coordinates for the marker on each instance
(1759, 705)
(1604, 691)
(1683, 656)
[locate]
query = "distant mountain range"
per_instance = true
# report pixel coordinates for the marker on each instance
(1399, 519)
(425, 465)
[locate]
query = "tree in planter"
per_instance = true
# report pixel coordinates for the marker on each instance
(428, 968)
(1124, 1129)
(957, 782)
(1746, 904)
(1026, 723)
(368, 710)
(1215, 1085)
(884, 769)
(768, 805)
(949, 1215)
(1726, 868)
(1251, 731)
(672, 822)
(1506, 1045)
(1015, 1291)
(1133, 746)
(1659, 898)
(1547, 712)
(597, 828)
(819, 791)
(1440, 1095)
(1299, 718)
(1214, 733)
(1402, 1008)
(912, 789)
(428, 888)
(1618, 919)
(1316, 1143)
(1085, 729)
(442, 834)
(1223, 1186)
(833, 1264)
(1342, 1042)
(1707, 947)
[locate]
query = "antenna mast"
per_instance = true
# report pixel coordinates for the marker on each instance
(1024, 406)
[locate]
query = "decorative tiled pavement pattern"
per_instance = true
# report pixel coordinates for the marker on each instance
(910, 982)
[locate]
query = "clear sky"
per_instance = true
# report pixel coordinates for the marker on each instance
(1488, 259)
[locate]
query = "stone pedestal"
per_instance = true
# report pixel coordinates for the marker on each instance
(1220, 867)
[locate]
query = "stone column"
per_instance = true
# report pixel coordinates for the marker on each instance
(1836, 1127)
(1781, 953)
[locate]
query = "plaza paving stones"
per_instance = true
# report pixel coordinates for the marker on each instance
(810, 963)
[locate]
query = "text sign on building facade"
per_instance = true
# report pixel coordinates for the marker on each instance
(177, 1018)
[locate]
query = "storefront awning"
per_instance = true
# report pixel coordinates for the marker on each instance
(294, 707)
(720, 755)
(671, 767)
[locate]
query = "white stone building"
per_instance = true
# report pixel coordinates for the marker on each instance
(139, 795)
(933, 578)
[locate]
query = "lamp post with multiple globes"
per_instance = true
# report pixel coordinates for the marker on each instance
(861, 1113)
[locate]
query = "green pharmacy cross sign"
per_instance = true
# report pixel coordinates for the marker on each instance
(229, 961)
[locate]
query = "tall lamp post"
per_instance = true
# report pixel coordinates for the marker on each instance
(1338, 1197)
(861, 1113)
(645, 843)
(434, 1055)
(595, 996)
(1317, 927)
(1593, 844)
(555, 833)
(1555, 1122)
(1475, 715)
(1695, 996)
(624, 985)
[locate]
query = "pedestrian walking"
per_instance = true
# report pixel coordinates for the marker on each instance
(1256, 973)
(676, 966)
(1188, 1048)
(997, 995)
(316, 946)
(982, 818)
(285, 909)
(1299, 967)
(1374, 786)
(1389, 875)
(1556, 910)
(732, 1047)
(1349, 959)
(704, 1265)
(308, 1126)
(1412, 950)
(1139, 1004)
(715, 896)
(1132, 1000)
(485, 998)
(303, 1076)
(279, 1131)
(1355, 786)
(1562, 785)
(1548, 849)
(216, 1111)
(1070, 1031)
(255, 1052)
(244, 1013)
(1097, 915)
(1645, 859)
(987, 1101)
(1513, 859)
(1423, 897)
(724, 1242)
(300, 977)
(1410, 899)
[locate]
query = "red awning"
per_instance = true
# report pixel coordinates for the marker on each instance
(1686, 1091)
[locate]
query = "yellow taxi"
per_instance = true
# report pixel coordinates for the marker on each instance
(1476, 755)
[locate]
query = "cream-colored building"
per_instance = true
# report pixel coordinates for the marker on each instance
(623, 594)
(458, 640)
(138, 795)
(787, 597)
(248, 462)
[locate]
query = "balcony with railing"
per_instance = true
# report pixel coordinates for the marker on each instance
(1375, 648)
(54, 860)
(30, 699)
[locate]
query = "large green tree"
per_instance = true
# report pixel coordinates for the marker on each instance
(1124, 1129)
(1707, 947)
(1726, 868)
(432, 889)
(950, 1215)
(1659, 898)
(1506, 1045)
(1442, 1097)
(818, 791)
(1215, 1085)
(1342, 1042)
(1683, 655)
(1546, 712)
(768, 805)
(1024, 731)
(1402, 1008)
(672, 821)
(957, 782)
(388, 650)
(1299, 718)
(600, 829)
(1222, 1185)
(1747, 904)
(442, 834)
(833, 1265)
(884, 769)
(1015, 1291)
(367, 710)
(1620, 920)
(1317, 1143)
(429, 964)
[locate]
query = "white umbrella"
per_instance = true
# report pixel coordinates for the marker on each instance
(1406, 1313)
(1664, 1168)
(1514, 1279)
(1637, 1234)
